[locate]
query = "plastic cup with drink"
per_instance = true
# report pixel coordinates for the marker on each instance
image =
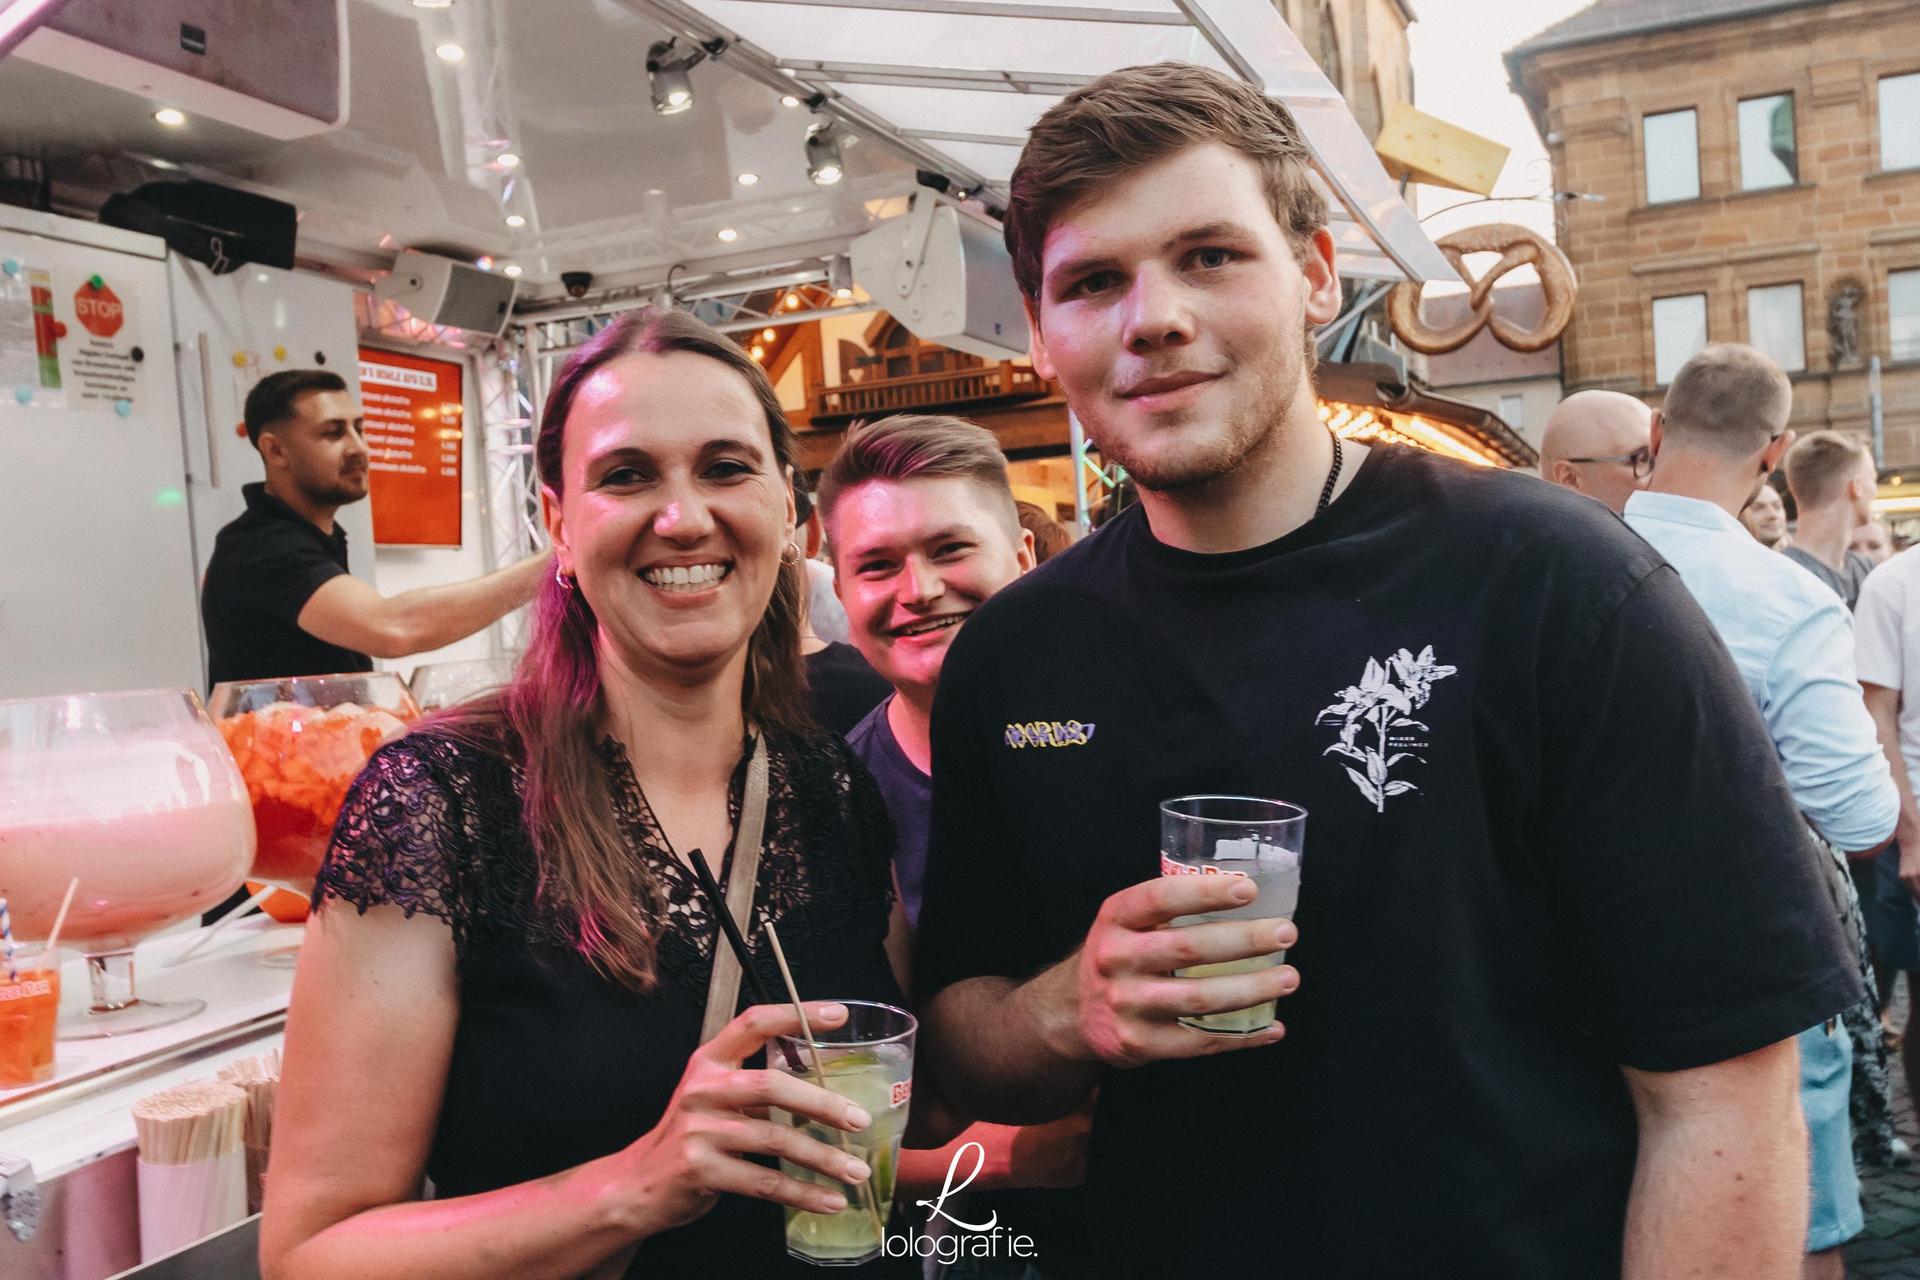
(867, 1060)
(1261, 840)
(29, 1003)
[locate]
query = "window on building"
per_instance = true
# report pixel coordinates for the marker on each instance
(1672, 141)
(1774, 324)
(1900, 122)
(1679, 330)
(1513, 411)
(1767, 155)
(1903, 314)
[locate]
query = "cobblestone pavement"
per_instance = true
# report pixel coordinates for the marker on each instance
(1890, 1245)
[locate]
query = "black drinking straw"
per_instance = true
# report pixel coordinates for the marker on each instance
(739, 945)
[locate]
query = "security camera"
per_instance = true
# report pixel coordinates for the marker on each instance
(577, 282)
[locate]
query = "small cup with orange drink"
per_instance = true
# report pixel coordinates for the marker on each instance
(29, 1005)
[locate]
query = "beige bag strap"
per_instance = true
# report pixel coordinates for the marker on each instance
(723, 989)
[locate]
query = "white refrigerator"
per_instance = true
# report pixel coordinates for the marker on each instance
(97, 576)
(123, 371)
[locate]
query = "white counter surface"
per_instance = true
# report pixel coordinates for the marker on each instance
(83, 1114)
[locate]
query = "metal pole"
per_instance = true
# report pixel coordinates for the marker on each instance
(1877, 406)
(1081, 522)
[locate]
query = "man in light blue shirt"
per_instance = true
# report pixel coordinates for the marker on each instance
(1719, 433)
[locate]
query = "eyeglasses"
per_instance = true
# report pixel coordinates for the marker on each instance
(1641, 460)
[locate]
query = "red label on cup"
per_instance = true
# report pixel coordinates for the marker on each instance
(1168, 867)
(25, 989)
(902, 1090)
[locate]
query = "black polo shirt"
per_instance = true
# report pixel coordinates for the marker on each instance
(266, 565)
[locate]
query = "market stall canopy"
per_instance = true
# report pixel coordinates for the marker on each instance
(524, 133)
(959, 82)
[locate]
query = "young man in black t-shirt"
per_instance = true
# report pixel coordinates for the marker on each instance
(923, 530)
(1559, 921)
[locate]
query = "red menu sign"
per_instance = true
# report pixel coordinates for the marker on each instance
(415, 430)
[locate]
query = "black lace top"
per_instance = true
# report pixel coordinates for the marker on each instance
(554, 1065)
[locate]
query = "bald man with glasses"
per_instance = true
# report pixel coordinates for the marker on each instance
(1597, 443)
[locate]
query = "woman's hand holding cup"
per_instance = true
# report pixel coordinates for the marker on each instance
(717, 1120)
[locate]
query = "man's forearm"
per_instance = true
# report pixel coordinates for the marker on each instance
(1001, 1050)
(1884, 706)
(434, 616)
(1720, 1191)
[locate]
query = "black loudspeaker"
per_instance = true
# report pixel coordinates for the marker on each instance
(221, 227)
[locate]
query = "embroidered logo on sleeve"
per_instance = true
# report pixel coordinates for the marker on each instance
(1050, 733)
(1377, 726)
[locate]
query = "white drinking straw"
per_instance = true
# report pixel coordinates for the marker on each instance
(820, 1070)
(60, 920)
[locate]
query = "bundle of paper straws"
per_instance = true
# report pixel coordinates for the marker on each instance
(191, 1123)
(260, 1079)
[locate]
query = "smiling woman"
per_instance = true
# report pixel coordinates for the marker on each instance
(511, 971)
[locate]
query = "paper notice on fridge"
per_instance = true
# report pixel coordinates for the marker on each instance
(103, 352)
(29, 339)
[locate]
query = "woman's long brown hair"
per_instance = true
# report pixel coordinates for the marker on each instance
(552, 709)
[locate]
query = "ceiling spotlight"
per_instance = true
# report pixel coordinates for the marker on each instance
(788, 100)
(450, 52)
(729, 235)
(758, 351)
(823, 155)
(511, 269)
(668, 78)
(433, 4)
(840, 276)
(767, 335)
(516, 220)
(747, 179)
(172, 117)
(484, 262)
(793, 302)
(507, 160)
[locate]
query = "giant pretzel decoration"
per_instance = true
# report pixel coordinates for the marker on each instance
(1517, 246)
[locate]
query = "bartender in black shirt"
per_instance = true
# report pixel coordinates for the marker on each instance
(277, 599)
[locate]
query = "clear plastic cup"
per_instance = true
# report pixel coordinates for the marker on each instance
(868, 1061)
(29, 1005)
(1261, 840)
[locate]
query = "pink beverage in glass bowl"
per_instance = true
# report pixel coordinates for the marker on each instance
(299, 743)
(135, 796)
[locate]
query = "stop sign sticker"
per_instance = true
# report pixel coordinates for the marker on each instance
(98, 308)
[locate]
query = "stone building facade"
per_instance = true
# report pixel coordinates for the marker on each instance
(1362, 46)
(1760, 167)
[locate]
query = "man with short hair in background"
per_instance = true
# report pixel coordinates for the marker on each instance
(922, 529)
(1720, 432)
(1833, 480)
(1595, 442)
(1766, 518)
(1887, 653)
(1873, 541)
(277, 599)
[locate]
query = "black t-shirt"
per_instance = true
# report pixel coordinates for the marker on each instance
(1054, 1218)
(1548, 836)
(845, 686)
(266, 565)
